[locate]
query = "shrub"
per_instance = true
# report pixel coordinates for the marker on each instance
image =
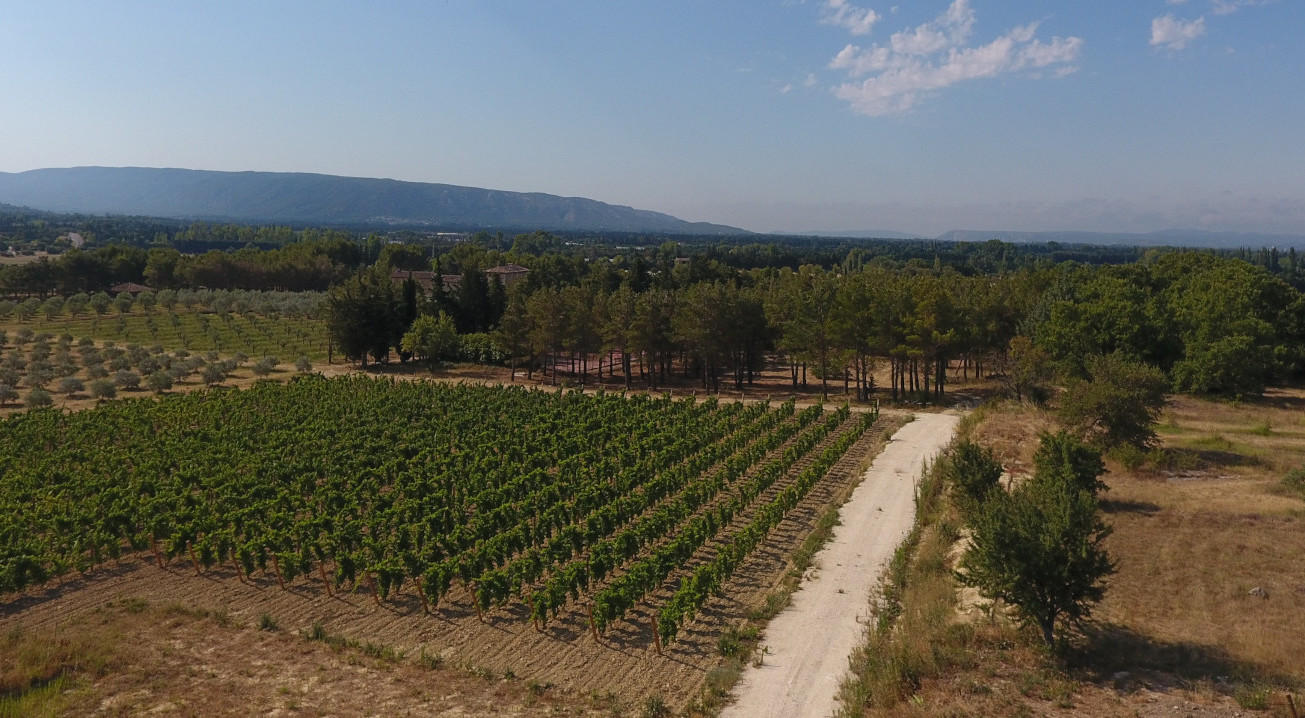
(7, 394)
(38, 398)
(127, 379)
(1067, 459)
(973, 473)
(159, 382)
(70, 385)
(265, 366)
(103, 389)
(303, 365)
(214, 374)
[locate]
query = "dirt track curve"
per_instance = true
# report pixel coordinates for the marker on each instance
(809, 643)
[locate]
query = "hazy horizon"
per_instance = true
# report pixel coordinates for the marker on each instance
(786, 116)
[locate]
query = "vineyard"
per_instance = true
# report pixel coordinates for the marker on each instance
(513, 503)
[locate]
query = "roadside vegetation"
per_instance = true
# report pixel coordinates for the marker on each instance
(1205, 536)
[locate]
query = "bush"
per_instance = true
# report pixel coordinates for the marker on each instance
(480, 349)
(7, 394)
(159, 382)
(1040, 547)
(38, 398)
(103, 389)
(214, 374)
(1067, 459)
(265, 366)
(972, 473)
(1294, 481)
(70, 385)
(303, 365)
(125, 379)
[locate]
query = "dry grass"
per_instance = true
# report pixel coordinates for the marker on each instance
(133, 658)
(1193, 540)
(1203, 521)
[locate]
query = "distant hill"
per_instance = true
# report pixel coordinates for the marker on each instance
(863, 234)
(303, 198)
(1167, 238)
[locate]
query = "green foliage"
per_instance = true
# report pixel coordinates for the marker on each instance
(365, 316)
(1294, 482)
(480, 348)
(1119, 403)
(38, 398)
(103, 388)
(265, 366)
(1064, 458)
(1030, 370)
(433, 338)
(159, 382)
(972, 473)
(1040, 547)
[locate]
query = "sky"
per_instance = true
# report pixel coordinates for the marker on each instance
(769, 115)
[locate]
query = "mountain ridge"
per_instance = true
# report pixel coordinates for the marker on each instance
(307, 197)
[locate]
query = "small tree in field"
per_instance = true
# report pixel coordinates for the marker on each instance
(1119, 404)
(214, 373)
(1039, 548)
(159, 382)
(39, 398)
(7, 394)
(102, 389)
(126, 379)
(303, 365)
(265, 366)
(70, 385)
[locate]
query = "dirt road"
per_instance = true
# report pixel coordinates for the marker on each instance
(809, 643)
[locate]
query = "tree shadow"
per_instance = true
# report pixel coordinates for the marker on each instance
(1108, 652)
(1145, 508)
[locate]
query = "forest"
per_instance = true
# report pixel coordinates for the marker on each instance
(659, 309)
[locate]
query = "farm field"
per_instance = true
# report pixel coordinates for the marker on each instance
(545, 533)
(254, 335)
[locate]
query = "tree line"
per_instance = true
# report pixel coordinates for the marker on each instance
(1208, 323)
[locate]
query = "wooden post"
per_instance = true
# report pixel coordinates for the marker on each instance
(657, 637)
(154, 544)
(239, 574)
(371, 583)
(276, 568)
(191, 550)
(321, 568)
(1291, 705)
(593, 629)
(425, 606)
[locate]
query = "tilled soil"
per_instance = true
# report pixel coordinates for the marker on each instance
(624, 662)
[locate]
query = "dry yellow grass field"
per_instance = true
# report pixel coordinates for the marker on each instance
(1203, 617)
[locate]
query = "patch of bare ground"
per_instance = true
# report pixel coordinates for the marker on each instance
(1203, 616)
(172, 660)
(624, 663)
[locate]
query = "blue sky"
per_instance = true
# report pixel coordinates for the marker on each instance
(771, 115)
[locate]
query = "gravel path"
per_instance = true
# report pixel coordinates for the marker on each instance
(810, 641)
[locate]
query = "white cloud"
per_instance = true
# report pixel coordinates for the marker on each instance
(1174, 34)
(893, 78)
(1227, 7)
(858, 21)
